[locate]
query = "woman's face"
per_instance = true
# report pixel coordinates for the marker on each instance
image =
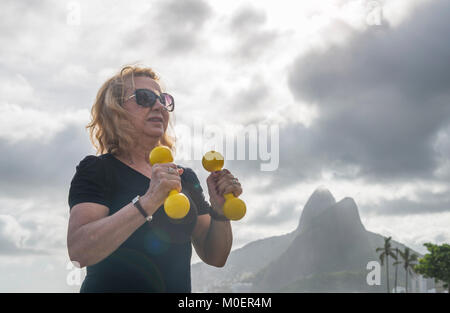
(141, 115)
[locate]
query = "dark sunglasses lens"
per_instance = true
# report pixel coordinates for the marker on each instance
(145, 97)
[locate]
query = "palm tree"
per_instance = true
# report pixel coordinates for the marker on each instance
(386, 251)
(396, 263)
(408, 259)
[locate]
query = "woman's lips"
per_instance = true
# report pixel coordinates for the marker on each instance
(155, 120)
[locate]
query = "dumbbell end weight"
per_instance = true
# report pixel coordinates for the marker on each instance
(212, 161)
(176, 205)
(234, 208)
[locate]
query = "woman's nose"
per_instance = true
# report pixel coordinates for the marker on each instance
(158, 105)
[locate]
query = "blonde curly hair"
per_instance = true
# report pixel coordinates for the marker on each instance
(110, 128)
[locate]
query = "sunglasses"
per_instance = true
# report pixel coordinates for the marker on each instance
(147, 98)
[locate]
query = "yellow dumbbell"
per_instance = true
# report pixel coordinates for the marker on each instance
(176, 204)
(234, 208)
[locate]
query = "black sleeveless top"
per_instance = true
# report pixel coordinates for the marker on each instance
(157, 256)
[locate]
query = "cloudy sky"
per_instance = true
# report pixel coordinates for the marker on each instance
(358, 90)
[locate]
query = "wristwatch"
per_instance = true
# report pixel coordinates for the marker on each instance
(138, 205)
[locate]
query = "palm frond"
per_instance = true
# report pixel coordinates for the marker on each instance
(382, 258)
(392, 255)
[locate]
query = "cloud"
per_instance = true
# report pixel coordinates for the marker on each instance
(12, 235)
(382, 98)
(172, 27)
(48, 227)
(423, 202)
(22, 123)
(252, 38)
(249, 100)
(14, 238)
(40, 230)
(181, 23)
(246, 19)
(433, 228)
(32, 168)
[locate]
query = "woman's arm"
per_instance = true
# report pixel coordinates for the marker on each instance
(93, 235)
(212, 240)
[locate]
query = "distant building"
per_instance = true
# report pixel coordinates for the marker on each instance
(420, 284)
(399, 289)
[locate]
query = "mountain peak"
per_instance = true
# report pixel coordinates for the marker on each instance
(322, 193)
(348, 202)
(320, 200)
(322, 188)
(348, 211)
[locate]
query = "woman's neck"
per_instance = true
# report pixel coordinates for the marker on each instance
(139, 154)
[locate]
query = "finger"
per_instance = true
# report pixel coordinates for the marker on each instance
(171, 168)
(226, 180)
(211, 177)
(238, 191)
(225, 177)
(171, 184)
(231, 182)
(158, 172)
(225, 173)
(176, 185)
(222, 185)
(211, 181)
(219, 174)
(212, 185)
(214, 176)
(221, 188)
(163, 168)
(235, 189)
(172, 176)
(159, 176)
(166, 165)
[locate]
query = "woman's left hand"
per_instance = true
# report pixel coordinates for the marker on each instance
(220, 183)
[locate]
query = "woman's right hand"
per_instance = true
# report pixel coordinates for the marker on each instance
(161, 183)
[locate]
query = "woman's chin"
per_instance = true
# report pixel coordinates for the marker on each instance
(154, 132)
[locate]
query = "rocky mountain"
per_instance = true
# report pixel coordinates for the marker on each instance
(328, 251)
(333, 240)
(319, 201)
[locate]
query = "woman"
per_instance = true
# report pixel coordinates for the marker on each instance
(128, 243)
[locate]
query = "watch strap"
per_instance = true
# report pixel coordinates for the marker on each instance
(138, 205)
(218, 217)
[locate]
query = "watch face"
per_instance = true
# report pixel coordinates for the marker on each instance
(135, 199)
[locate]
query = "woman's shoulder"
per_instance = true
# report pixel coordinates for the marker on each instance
(94, 162)
(190, 176)
(90, 182)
